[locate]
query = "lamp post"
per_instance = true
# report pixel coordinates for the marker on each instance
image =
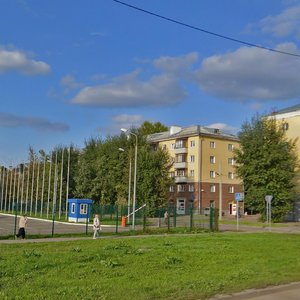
(220, 191)
(129, 186)
(134, 182)
(68, 179)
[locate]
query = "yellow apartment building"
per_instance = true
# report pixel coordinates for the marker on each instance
(290, 120)
(203, 168)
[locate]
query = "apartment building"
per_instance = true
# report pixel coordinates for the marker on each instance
(289, 118)
(203, 168)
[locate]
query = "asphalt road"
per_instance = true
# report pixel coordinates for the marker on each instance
(40, 226)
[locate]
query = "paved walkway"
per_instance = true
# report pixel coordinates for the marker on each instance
(289, 291)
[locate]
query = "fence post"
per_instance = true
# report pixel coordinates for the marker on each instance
(211, 218)
(175, 216)
(216, 220)
(144, 219)
(16, 217)
(191, 218)
(87, 220)
(53, 219)
(117, 217)
(168, 218)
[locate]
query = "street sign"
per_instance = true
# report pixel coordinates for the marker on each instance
(239, 196)
(268, 198)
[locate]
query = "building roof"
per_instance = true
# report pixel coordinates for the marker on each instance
(287, 110)
(176, 132)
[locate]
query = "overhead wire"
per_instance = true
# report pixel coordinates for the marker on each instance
(206, 31)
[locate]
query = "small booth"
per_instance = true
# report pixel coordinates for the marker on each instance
(79, 210)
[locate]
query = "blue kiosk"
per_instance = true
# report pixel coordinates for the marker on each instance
(79, 210)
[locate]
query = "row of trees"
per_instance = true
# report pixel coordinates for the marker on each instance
(103, 170)
(266, 162)
(41, 184)
(100, 171)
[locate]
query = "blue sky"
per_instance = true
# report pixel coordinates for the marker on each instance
(74, 69)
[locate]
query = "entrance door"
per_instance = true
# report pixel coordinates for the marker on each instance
(232, 209)
(180, 206)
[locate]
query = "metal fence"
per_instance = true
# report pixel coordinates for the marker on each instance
(114, 219)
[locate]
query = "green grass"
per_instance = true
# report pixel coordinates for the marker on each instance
(153, 267)
(252, 223)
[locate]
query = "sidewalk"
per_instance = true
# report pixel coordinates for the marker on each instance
(290, 291)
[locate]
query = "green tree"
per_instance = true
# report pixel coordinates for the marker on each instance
(149, 128)
(100, 169)
(153, 177)
(267, 164)
(103, 170)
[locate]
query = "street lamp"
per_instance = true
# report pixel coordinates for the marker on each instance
(135, 168)
(129, 186)
(220, 191)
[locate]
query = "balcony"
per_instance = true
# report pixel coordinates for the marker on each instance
(180, 165)
(181, 150)
(181, 179)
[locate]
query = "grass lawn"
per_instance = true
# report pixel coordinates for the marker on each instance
(252, 223)
(194, 266)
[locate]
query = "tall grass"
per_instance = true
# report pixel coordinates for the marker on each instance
(167, 267)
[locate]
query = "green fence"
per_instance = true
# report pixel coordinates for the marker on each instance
(114, 219)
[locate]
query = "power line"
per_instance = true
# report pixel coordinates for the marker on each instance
(206, 31)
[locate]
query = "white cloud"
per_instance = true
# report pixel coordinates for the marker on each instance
(68, 82)
(251, 74)
(125, 118)
(18, 61)
(129, 91)
(224, 127)
(13, 121)
(176, 64)
(127, 121)
(121, 121)
(283, 24)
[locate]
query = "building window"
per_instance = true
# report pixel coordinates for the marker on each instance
(179, 144)
(213, 188)
(192, 158)
(192, 173)
(285, 126)
(73, 208)
(180, 188)
(212, 159)
(83, 209)
(180, 172)
(192, 143)
(212, 145)
(171, 189)
(164, 147)
(172, 146)
(230, 147)
(172, 174)
(191, 188)
(212, 174)
(230, 175)
(180, 158)
(231, 189)
(231, 161)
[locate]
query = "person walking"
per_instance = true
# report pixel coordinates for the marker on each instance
(166, 216)
(96, 226)
(22, 225)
